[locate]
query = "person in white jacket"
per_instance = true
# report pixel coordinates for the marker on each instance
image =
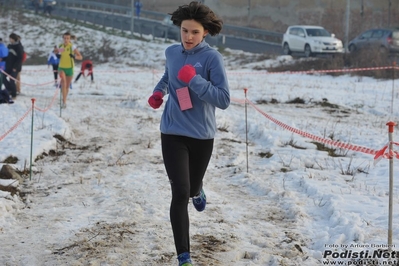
(53, 60)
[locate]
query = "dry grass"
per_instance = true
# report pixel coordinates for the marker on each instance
(360, 59)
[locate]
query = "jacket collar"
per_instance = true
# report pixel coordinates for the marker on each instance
(14, 43)
(195, 49)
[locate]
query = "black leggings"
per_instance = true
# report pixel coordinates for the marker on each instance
(80, 74)
(186, 160)
(55, 71)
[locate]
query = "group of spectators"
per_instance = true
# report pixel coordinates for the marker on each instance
(11, 59)
(46, 5)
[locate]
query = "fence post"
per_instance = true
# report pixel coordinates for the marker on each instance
(393, 84)
(132, 18)
(31, 139)
(390, 157)
(246, 125)
(60, 88)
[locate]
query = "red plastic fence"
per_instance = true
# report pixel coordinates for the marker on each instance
(3, 136)
(378, 154)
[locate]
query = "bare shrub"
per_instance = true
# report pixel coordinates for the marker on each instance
(36, 58)
(371, 58)
(104, 53)
(367, 58)
(312, 64)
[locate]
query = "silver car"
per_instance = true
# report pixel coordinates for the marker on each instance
(385, 40)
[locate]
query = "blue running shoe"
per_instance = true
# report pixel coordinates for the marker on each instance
(184, 259)
(199, 201)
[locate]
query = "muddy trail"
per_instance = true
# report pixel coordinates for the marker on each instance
(101, 197)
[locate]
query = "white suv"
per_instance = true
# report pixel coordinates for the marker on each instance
(310, 40)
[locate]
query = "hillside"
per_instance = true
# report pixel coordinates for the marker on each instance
(276, 15)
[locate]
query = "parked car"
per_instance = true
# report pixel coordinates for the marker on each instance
(310, 40)
(385, 40)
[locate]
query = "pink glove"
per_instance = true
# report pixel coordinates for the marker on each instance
(155, 101)
(186, 73)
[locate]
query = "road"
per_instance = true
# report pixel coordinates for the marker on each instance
(157, 29)
(247, 45)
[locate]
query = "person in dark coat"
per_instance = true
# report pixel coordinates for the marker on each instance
(48, 6)
(36, 4)
(18, 82)
(13, 64)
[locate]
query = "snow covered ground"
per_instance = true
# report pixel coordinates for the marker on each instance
(99, 194)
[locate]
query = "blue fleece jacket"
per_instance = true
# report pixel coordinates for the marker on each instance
(208, 89)
(3, 55)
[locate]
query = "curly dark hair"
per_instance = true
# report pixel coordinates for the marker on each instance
(200, 13)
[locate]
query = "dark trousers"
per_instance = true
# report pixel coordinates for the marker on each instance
(10, 84)
(80, 74)
(55, 71)
(186, 160)
(48, 9)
